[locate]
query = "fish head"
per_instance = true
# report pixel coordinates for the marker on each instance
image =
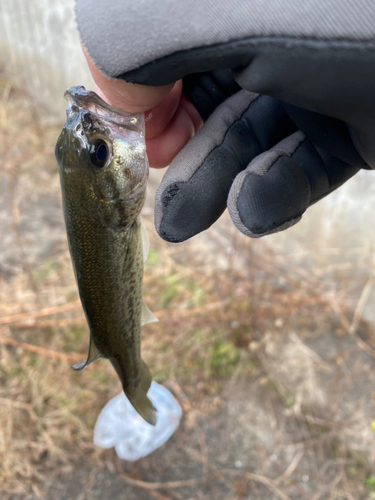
(102, 157)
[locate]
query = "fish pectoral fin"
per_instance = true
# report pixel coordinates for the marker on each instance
(94, 354)
(146, 315)
(145, 241)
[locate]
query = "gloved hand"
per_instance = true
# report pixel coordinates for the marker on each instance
(304, 124)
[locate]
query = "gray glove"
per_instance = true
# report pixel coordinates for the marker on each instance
(268, 155)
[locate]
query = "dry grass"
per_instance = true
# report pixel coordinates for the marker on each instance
(225, 317)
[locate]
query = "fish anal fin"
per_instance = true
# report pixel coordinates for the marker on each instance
(80, 366)
(147, 316)
(94, 354)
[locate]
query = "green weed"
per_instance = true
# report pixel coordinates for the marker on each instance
(223, 359)
(370, 483)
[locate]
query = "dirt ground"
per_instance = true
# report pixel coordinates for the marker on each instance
(267, 354)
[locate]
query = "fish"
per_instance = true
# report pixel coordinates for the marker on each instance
(104, 170)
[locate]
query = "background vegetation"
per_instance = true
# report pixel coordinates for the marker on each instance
(271, 360)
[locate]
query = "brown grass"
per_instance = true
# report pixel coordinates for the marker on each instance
(215, 310)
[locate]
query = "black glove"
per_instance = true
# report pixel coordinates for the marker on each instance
(266, 156)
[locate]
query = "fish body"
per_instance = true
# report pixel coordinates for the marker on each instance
(103, 172)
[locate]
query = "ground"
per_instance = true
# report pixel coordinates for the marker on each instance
(269, 356)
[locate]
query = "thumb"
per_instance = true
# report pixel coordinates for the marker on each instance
(170, 119)
(125, 96)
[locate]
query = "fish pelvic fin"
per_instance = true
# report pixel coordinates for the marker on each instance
(93, 355)
(139, 398)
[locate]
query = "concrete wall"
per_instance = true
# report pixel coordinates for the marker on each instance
(40, 50)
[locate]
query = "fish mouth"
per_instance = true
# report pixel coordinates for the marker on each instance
(79, 97)
(88, 117)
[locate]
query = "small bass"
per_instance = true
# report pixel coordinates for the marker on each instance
(103, 171)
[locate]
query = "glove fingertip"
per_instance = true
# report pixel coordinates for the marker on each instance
(264, 204)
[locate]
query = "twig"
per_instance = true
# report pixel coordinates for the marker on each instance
(17, 318)
(168, 484)
(14, 318)
(41, 350)
(330, 487)
(361, 305)
(158, 495)
(269, 483)
(78, 321)
(358, 315)
(204, 453)
(192, 310)
(292, 466)
(16, 404)
(198, 456)
(176, 494)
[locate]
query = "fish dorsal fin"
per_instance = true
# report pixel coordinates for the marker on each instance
(94, 354)
(147, 316)
(145, 241)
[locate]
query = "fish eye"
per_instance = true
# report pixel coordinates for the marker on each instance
(99, 153)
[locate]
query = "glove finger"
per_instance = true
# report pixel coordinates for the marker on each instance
(210, 89)
(194, 190)
(328, 134)
(279, 185)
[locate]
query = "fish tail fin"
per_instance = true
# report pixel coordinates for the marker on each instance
(139, 398)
